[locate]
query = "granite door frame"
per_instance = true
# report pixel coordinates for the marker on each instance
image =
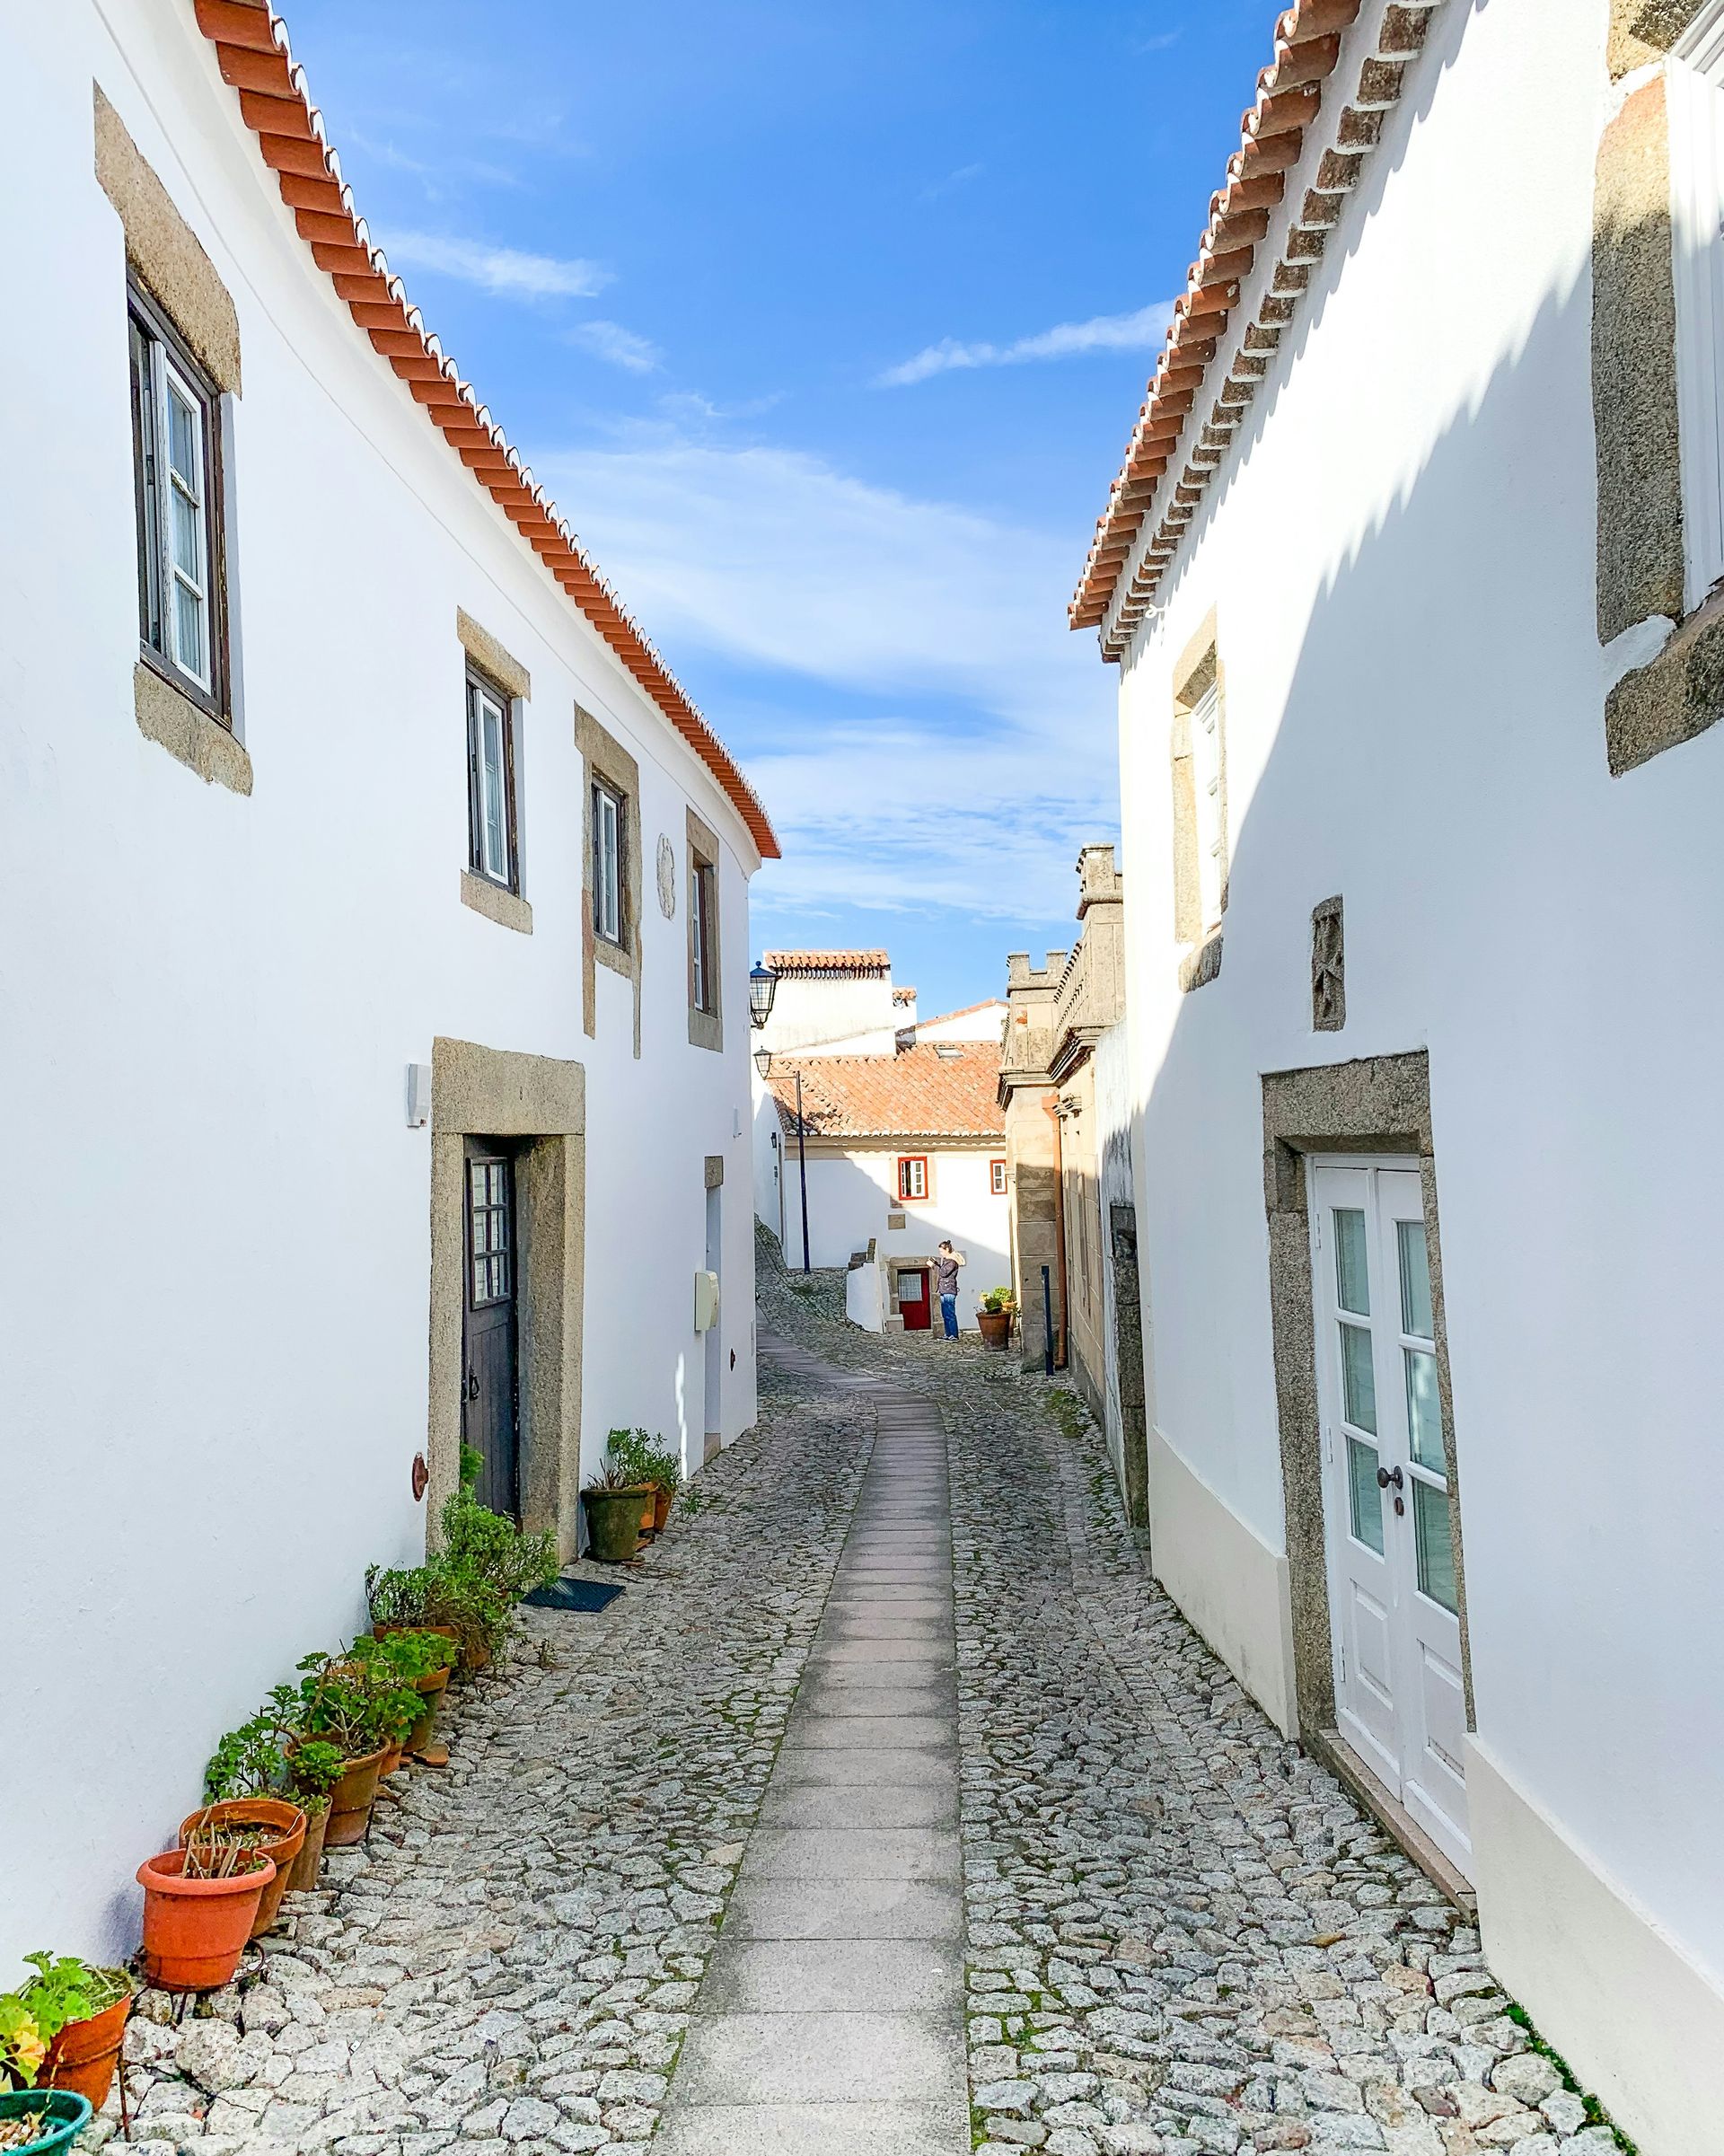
(1378, 1104)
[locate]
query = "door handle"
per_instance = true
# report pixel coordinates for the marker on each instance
(1385, 1475)
(471, 1390)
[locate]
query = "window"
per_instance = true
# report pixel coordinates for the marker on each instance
(997, 1177)
(609, 822)
(703, 985)
(1205, 780)
(1695, 98)
(177, 484)
(491, 783)
(489, 1231)
(913, 1176)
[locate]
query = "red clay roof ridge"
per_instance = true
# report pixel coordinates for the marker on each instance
(1255, 236)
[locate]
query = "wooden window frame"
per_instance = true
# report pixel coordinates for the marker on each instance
(606, 790)
(151, 336)
(480, 684)
(703, 986)
(997, 1178)
(905, 1195)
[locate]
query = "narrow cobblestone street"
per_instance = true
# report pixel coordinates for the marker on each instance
(897, 1703)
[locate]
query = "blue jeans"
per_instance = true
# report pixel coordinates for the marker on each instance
(949, 1312)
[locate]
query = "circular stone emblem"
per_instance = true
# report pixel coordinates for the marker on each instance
(666, 877)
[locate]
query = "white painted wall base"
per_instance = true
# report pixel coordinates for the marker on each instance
(1226, 1579)
(1641, 2026)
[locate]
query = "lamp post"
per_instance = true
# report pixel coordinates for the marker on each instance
(762, 989)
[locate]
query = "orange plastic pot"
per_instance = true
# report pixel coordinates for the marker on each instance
(351, 1799)
(195, 1930)
(83, 2055)
(284, 1846)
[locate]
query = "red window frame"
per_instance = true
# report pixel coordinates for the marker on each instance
(906, 1161)
(997, 1178)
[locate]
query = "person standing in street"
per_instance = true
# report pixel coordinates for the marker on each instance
(947, 1281)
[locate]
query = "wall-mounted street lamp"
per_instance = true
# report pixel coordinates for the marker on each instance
(762, 987)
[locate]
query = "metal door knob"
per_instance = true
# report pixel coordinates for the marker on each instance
(1385, 1475)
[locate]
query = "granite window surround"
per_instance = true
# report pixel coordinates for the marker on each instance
(606, 762)
(493, 667)
(1378, 1105)
(706, 1025)
(1670, 686)
(168, 265)
(1197, 671)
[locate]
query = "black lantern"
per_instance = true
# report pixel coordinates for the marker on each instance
(763, 987)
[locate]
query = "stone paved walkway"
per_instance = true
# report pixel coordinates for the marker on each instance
(1178, 1935)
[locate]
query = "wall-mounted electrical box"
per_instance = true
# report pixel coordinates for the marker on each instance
(706, 1302)
(418, 1096)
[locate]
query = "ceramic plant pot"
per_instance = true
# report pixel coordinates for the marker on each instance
(996, 1328)
(64, 2113)
(287, 1838)
(309, 1862)
(352, 1797)
(196, 1929)
(663, 1500)
(82, 2057)
(430, 1689)
(613, 1519)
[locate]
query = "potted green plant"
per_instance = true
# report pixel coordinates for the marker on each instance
(487, 1565)
(355, 1703)
(199, 1904)
(995, 1311)
(63, 2027)
(613, 1498)
(316, 1768)
(651, 1461)
(242, 1791)
(423, 1660)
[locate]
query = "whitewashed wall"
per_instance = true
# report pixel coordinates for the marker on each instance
(986, 1022)
(850, 1196)
(1404, 569)
(216, 1275)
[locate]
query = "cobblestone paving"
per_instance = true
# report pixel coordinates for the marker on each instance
(1183, 1936)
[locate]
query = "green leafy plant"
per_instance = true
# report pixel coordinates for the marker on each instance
(436, 1593)
(316, 1766)
(997, 1299)
(472, 1463)
(414, 1655)
(645, 1459)
(611, 1473)
(63, 1990)
(248, 1761)
(354, 1700)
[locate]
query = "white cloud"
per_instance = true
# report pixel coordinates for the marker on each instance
(977, 794)
(618, 346)
(506, 271)
(1135, 333)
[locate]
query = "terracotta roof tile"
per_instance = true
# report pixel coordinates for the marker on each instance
(1255, 235)
(253, 55)
(827, 962)
(948, 1090)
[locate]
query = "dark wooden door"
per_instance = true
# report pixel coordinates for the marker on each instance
(490, 1417)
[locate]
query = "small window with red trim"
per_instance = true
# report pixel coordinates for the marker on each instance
(913, 1176)
(997, 1177)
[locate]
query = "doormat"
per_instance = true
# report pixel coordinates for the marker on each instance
(573, 1594)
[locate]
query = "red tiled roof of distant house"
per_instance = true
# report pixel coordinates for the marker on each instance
(253, 52)
(903, 995)
(860, 962)
(928, 1092)
(1301, 151)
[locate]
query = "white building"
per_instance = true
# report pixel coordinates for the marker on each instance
(1412, 578)
(376, 1038)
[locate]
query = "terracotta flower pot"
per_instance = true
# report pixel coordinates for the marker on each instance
(309, 1862)
(430, 1689)
(195, 1930)
(613, 1519)
(352, 1797)
(83, 2055)
(287, 1840)
(996, 1328)
(663, 1500)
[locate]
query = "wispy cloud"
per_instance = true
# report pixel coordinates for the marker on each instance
(509, 272)
(933, 636)
(618, 346)
(1160, 42)
(953, 182)
(1134, 332)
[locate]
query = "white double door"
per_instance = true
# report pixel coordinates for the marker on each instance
(1399, 1696)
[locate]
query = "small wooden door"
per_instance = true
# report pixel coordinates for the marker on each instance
(913, 1305)
(490, 1419)
(1393, 1606)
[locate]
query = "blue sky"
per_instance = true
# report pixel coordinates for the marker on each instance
(825, 327)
